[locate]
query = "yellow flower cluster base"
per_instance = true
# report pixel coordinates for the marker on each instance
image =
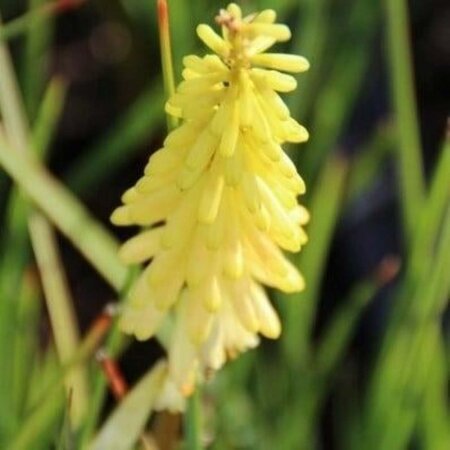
(219, 203)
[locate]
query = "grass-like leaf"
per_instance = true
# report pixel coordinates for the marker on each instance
(123, 428)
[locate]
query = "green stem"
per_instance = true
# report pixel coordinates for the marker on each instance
(402, 369)
(48, 115)
(49, 411)
(309, 41)
(63, 320)
(11, 105)
(24, 344)
(49, 405)
(336, 99)
(62, 314)
(366, 166)
(99, 392)
(192, 421)
(332, 345)
(429, 222)
(13, 260)
(18, 26)
(65, 211)
(33, 71)
(299, 312)
(411, 176)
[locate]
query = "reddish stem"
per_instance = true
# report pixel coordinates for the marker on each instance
(163, 14)
(113, 374)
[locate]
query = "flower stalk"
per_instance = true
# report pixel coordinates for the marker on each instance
(166, 56)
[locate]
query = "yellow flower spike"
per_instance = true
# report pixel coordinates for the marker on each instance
(220, 203)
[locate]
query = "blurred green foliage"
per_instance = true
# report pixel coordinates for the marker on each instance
(275, 397)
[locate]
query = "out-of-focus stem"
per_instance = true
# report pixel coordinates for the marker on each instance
(62, 315)
(47, 117)
(325, 205)
(49, 407)
(193, 421)
(166, 56)
(333, 344)
(70, 216)
(412, 185)
(114, 376)
(56, 293)
(18, 26)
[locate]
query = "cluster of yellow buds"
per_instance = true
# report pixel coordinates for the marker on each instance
(219, 201)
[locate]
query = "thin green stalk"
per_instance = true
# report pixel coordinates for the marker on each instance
(13, 259)
(70, 215)
(58, 204)
(402, 371)
(366, 166)
(338, 332)
(424, 244)
(424, 289)
(192, 422)
(114, 343)
(24, 345)
(183, 19)
(412, 185)
(99, 391)
(433, 429)
(48, 115)
(15, 256)
(34, 64)
(11, 106)
(62, 315)
(166, 56)
(429, 223)
(337, 98)
(311, 386)
(310, 41)
(30, 431)
(42, 413)
(67, 213)
(21, 24)
(325, 206)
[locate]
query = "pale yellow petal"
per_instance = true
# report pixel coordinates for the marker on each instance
(269, 322)
(141, 247)
(213, 40)
(211, 198)
(279, 61)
